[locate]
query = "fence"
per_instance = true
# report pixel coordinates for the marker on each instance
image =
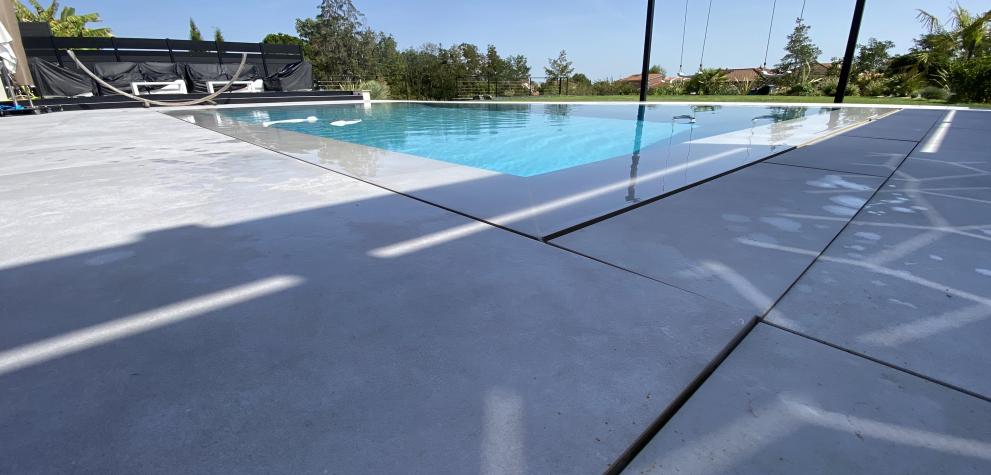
(39, 43)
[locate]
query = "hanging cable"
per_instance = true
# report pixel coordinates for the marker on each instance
(684, 29)
(149, 102)
(705, 37)
(767, 49)
(802, 16)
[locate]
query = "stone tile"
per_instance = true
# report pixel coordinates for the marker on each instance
(236, 313)
(783, 404)
(850, 154)
(948, 139)
(978, 119)
(906, 124)
(730, 238)
(908, 282)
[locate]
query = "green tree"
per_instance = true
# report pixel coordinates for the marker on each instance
(560, 67)
(194, 32)
(495, 67)
(657, 69)
(800, 55)
(518, 66)
(63, 23)
(873, 57)
(218, 35)
(338, 42)
(966, 32)
(282, 39)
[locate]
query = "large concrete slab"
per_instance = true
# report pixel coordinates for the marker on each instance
(731, 238)
(720, 139)
(848, 154)
(974, 119)
(909, 281)
(906, 124)
(783, 404)
(207, 306)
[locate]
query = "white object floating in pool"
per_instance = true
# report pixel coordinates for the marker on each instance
(311, 119)
(342, 123)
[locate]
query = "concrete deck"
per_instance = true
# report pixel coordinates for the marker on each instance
(173, 300)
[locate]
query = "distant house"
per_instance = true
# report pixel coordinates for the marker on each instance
(736, 75)
(653, 80)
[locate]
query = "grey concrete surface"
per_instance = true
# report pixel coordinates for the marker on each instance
(721, 139)
(849, 154)
(178, 302)
(909, 281)
(731, 238)
(783, 404)
(906, 124)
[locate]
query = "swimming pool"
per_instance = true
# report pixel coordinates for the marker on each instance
(535, 168)
(512, 139)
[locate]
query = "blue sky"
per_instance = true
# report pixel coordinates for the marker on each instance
(604, 38)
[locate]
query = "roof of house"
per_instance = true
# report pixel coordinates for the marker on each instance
(653, 80)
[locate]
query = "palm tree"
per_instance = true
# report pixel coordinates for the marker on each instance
(63, 23)
(964, 31)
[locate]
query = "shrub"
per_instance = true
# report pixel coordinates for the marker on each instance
(707, 82)
(670, 89)
(903, 84)
(933, 92)
(804, 88)
(827, 87)
(970, 80)
(378, 89)
(874, 87)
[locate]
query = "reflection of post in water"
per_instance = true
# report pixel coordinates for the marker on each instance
(631, 191)
(834, 118)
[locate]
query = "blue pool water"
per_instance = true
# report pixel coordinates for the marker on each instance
(505, 138)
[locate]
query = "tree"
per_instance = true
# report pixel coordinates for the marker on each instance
(194, 32)
(63, 23)
(657, 69)
(217, 35)
(581, 79)
(964, 31)
(800, 54)
(518, 67)
(560, 67)
(337, 41)
(495, 67)
(873, 57)
(282, 39)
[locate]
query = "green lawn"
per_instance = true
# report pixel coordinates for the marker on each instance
(737, 98)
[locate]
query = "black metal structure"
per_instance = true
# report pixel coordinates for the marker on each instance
(648, 35)
(851, 48)
(269, 58)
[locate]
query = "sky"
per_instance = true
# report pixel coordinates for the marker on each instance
(604, 38)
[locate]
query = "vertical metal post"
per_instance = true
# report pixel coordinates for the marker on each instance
(220, 57)
(261, 49)
(58, 56)
(168, 44)
(648, 34)
(113, 41)
(851, 48)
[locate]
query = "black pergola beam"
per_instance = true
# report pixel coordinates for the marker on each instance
(644, 75)
(851, 49)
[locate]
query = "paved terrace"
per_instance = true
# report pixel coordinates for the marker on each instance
(173, 300)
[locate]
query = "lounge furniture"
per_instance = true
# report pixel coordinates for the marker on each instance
(168, 87)
(249, 86)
